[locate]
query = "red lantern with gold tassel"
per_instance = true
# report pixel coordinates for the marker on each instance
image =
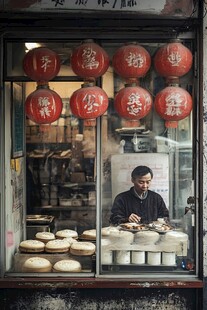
(43, 106)
(173, 104)
(133, 102)
(131, 61)
(89, 60)
(173, 60)
(41, 64)
(89, 102)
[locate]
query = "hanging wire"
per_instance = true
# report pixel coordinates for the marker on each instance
(188, 23)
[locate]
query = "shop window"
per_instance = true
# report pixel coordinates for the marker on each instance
(75, 168)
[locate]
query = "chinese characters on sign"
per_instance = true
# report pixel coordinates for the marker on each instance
(163, 7)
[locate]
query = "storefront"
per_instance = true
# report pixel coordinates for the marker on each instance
(62, 175)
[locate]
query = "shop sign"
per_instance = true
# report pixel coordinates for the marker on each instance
(160, 7)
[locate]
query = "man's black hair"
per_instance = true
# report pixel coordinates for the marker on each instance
(140, 171)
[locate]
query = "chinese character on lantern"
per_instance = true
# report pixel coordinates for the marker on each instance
(135, 60)
(174, 103)
(89, 60)
(91, 104)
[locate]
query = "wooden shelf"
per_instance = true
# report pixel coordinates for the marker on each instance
(63, 208)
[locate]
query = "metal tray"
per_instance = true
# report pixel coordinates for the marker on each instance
(133, 229)
(39, 219)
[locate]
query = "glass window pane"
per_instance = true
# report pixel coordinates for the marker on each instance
(152, 240)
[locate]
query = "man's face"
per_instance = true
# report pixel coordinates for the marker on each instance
(142, 183)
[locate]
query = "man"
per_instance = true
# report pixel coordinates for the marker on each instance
(138, 204)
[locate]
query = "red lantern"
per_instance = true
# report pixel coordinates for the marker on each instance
(43, 106)
(133, 102)
(89, 102)
(41, 64)
(173, 104)
(173, 60)
(89, 60)
(131, 61)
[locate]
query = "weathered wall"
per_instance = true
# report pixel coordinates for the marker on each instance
(99, 299)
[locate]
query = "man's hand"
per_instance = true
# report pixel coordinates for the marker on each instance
(134, 218)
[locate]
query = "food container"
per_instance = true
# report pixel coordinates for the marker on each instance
(154, 258)
(107, 257)
(138, 257)
(106, 253)
(168, 258)
(122, 257)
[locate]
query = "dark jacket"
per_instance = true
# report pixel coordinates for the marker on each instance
(126, 203)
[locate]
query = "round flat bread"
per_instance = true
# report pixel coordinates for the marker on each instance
(67, 265)
(31, 246)
(82, 248)
(37, 264)
(57, 246)
(45, 236)
(89, 234)
(66, 233)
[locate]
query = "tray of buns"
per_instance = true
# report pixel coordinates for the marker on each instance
(161, 228)
(133, 227)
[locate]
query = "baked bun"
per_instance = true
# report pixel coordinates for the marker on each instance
(66, 233)
(37, 264)
(67, 265)
(31, 246)
(57, 246)
(89, 234)
(82, 248)
(70, 240)
(45, 236)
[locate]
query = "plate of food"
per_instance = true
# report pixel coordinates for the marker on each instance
(133, 227)
(160, 227)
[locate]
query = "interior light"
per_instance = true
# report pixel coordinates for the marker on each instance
(31, 45)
